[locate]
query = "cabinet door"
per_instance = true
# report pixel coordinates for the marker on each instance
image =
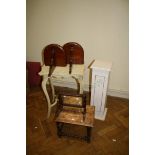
(98, 92)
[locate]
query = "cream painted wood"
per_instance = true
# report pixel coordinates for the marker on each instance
(54, 99)
(100, 77)
(60, 73)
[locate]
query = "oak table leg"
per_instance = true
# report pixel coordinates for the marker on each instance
(88, 134)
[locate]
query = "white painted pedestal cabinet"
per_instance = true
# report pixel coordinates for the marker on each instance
(99, 85)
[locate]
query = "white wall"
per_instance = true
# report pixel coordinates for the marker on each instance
(100, 26)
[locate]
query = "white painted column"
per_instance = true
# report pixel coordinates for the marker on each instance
(99, 85)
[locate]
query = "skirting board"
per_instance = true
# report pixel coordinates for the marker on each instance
(110, 92)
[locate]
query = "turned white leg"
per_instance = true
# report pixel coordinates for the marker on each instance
(81, 85)
(54, 100)
(79, 82)
(53, 90)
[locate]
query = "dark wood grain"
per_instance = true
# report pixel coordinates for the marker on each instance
(54, 55)
(74, 53)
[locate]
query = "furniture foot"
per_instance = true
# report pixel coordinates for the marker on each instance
(88, 134)
(59, 129)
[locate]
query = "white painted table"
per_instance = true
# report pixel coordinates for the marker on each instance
(60, 73)
(100, 77)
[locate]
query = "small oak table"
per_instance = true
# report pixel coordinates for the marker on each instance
(76, 118)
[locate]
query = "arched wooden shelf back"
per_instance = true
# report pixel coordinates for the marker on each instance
(74, 52)
(56, 52)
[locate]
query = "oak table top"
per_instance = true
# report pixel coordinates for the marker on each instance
(77, 117)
